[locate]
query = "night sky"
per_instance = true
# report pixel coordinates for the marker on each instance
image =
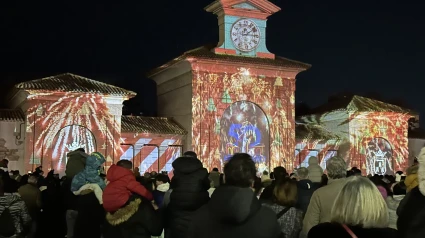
(360, 47)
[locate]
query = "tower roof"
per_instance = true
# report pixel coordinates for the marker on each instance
(266, 7)
(206, 53)
(73, 83)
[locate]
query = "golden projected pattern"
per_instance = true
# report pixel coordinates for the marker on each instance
(375, 142)
(213, 93)
(379, 142)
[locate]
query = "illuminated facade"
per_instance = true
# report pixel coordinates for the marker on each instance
(369, 134)
(237, 96)
(66, 112)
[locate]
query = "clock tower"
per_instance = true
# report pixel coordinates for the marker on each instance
(236, 96)
(242, 26)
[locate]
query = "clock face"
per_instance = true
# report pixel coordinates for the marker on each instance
(245, 35)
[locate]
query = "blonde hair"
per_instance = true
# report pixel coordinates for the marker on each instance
(360, 203)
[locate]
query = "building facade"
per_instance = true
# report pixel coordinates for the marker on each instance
(66, 112)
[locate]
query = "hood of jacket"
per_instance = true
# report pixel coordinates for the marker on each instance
(421, 171)
(94, 161)
(163, 187)
(187, 165)
(233, 205)
(305, 184)
(123, 214)
(313, 161)
(116, 173)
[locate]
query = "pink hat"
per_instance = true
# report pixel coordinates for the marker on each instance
(383, 192)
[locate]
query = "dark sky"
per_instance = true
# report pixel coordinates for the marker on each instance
(357, 46)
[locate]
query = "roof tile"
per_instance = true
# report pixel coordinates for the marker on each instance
(12, 115)
(73, 83)
(156, 125)
(205, 52)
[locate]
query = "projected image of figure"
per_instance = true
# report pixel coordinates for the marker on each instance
(379, 156)
(244, 129)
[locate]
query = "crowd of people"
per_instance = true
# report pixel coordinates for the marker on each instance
(197, 203)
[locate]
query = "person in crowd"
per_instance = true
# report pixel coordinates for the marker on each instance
(51, 211)
(188, 192)
(15, 220)
(411, 180)
(138, 216)
(279, 173)
(31, 195)
(324, 181)
(234, 210)
(314, 170)
(4, 165)
(122, 184)
(76, 162)
(190, 154)
(359, 211)
(215, 177)
(319, 209)
(211, 189)
(258, 187)
(136, 172)
(265, 176)
(393, 201)
(288, 216)
(88, 185)
(89, 178)
(305, 189)
(161, 187)
(383, 187)
(411, 211)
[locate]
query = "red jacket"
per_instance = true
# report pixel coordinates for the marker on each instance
(122, 184)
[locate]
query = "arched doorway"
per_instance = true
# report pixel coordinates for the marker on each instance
(379, 156)
(244, 128)
(67, 139)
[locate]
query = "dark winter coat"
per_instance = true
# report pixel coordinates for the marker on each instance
(31, 195)
(189, 186)
(76, 163)
(234, 212)
(331, 230)
(90, 217)
(411, 215)
(19, 213)
(137, 219)
(306, 189)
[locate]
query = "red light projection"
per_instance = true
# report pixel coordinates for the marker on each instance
(58, 123)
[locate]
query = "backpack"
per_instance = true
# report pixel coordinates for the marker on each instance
(7, 228)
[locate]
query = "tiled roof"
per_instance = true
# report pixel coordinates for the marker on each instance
(73, 83)
(11, 115)
(206, 53)
(156, 125)
(355, 103)
(313, 132)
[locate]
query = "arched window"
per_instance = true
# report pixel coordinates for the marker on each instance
(244, 128)
(70, 138)
(379, 156)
